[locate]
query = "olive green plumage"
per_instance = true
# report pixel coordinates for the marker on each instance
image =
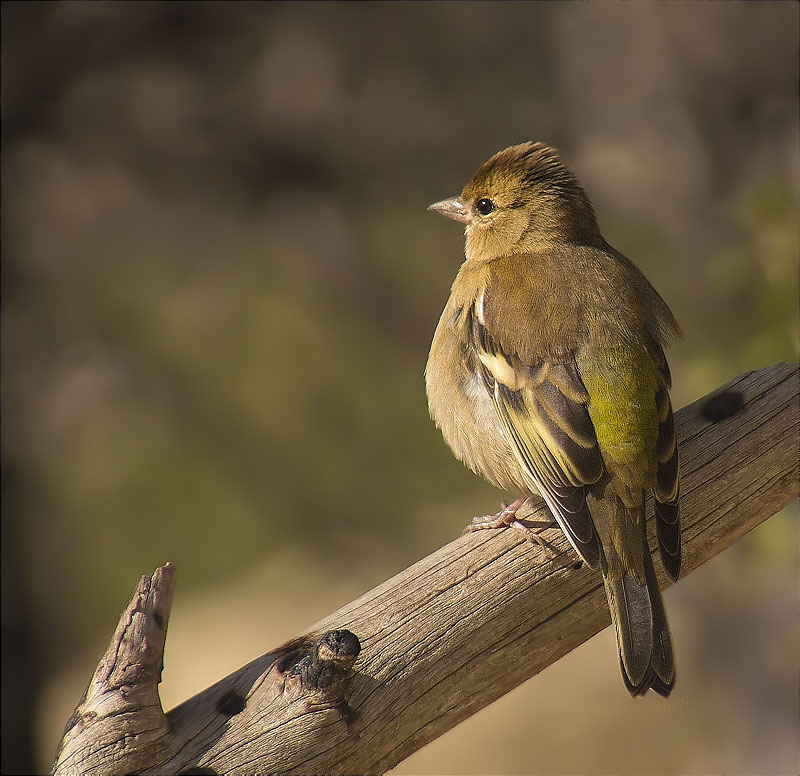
(547, 375)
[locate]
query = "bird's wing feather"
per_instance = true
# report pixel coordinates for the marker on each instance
(667, 481)
(542, 409)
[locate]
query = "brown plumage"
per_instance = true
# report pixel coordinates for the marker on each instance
(547, 375)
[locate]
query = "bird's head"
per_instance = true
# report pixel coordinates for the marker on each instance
(520, 199)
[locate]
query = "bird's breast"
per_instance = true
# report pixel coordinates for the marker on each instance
(462, 407)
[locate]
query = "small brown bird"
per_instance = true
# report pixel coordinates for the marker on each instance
(547, 375)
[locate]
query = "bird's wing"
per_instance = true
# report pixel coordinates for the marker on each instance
(542, 407)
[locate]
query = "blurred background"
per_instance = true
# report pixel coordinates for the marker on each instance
(219, 288)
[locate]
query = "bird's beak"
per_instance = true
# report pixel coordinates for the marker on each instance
(452, 208)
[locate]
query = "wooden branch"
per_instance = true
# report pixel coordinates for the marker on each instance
(439, 641)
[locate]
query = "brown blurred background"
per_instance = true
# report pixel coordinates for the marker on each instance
(220, 284)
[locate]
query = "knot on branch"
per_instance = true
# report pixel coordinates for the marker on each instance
(322, 668)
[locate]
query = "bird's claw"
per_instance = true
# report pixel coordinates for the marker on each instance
(505, 518)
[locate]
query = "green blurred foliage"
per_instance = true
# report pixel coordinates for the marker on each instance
(220, 283)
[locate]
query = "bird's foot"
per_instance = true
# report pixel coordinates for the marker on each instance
(505, 518)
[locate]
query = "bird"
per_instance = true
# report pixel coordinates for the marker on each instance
(547, 376)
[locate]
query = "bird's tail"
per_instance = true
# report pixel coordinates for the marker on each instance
(634, 598)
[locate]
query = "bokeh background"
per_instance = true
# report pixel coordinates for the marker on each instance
(220, 284)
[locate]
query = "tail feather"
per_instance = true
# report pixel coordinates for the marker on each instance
(631, 612)
(637, 609)
(663, 659)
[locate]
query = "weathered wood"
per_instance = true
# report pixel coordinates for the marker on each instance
(450, 634)
(119, 722)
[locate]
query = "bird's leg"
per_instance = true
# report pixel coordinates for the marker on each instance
(506, 517)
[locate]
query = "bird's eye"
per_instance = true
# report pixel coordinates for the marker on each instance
(484, 206)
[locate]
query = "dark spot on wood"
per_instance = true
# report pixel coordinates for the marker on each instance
(159, 618)
(577, 564)
(230, 704)
(198, 770)
(722, 406)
